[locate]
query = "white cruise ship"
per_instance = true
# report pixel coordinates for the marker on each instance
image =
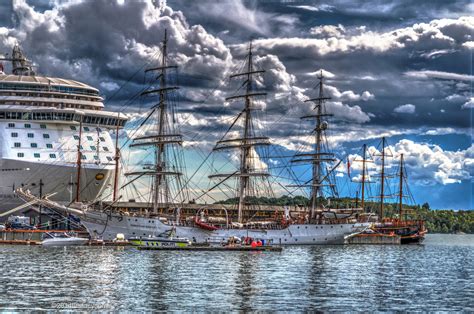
(40, 119)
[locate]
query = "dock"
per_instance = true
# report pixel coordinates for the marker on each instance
(33, 237)
(213, 248)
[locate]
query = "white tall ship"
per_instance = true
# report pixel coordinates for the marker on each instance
(42, 122)
(167, 210)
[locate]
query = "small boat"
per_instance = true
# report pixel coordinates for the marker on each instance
(62, 239)
(165, 239)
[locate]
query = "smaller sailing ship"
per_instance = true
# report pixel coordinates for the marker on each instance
(409, 230)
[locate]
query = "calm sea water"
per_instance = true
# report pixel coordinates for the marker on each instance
(436, 276)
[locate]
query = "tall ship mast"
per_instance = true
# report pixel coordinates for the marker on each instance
(247, 142)
(319, 157)
(163, 136)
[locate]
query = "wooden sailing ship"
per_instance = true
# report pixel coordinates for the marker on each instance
(409, 230)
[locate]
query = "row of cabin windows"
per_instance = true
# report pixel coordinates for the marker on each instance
(47, 104)
(53, 156)
(30, 135)
(47, 88)
(86, 128)
(76, 137)
(61, 116)
(50, 96)
(35, 145)
(36, 155)
(26, 125)
(32, 145)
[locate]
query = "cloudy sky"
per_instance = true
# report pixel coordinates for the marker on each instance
(399, 69)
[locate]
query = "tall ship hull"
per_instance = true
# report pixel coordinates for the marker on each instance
(107, 227)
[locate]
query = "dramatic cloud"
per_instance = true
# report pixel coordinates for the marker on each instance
(430, 164)
(438, 34)
(396, 69)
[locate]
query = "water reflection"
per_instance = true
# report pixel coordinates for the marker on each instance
(437, 276)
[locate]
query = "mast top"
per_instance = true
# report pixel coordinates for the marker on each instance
(20, 64)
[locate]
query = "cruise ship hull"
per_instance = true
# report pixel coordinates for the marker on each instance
(107, 226)
(58, 180)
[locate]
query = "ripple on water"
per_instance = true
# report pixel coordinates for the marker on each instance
(435, 276)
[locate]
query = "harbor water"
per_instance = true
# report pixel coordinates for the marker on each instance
(435, 276)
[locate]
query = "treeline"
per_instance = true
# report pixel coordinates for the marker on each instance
(437, 221)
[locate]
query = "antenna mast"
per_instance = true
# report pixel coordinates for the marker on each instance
(363, 175)
(400, 209)
(117, 159)
(382, 174)
(79, 163)
(20, 64)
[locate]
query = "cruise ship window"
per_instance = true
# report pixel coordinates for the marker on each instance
(49, 145)
(17, 144)
(84, 157)
(93, 148)
(34, 145)
(45, 135)
(37, 155)
(90, 138)
(96, 157)
(109, 158)
(86, 128)
(27, 126)
(52, 155)
(31, 135)
(11, 125)
(105, 149)
(43, 126)
(102, 139)
(73, 127)
(14, 134)
(20, 155)
(76, 137)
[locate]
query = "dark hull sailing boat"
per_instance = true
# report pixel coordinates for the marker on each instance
(409, 230)
(316, 226)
